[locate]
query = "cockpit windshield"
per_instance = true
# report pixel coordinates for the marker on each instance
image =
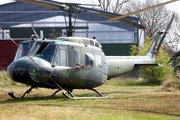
(48, 53)
(25, 46)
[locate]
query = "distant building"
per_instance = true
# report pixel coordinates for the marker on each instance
(17, 19)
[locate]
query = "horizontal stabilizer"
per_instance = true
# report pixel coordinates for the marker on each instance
(140, 66)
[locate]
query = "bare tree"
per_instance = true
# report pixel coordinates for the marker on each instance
(173, 41)
(154, 20)
(112, 5)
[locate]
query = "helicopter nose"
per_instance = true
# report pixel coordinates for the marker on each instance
(39, 75)
(26, 71)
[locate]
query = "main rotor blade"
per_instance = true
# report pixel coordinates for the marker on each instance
(75, 4)
(148, 8)
(64, 6)
(139, 26)
(110, 15)
(46, 4)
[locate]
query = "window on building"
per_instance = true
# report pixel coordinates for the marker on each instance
(5, 35)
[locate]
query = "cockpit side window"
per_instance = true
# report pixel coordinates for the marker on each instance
(48, 53)
(89, 59)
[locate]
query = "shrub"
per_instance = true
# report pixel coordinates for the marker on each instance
(154, 74)
(172, 84)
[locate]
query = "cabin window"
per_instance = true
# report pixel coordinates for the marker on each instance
(91, 42)
(96, 44)
(77, 57)
(61, 57)
(89, 59)
(98, 61)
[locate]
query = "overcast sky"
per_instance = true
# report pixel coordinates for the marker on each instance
(172, 6)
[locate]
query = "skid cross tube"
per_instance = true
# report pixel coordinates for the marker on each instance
(69, 95)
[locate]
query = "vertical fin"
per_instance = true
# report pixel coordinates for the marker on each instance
(156, 43)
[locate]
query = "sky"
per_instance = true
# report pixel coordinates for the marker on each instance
(172, 6)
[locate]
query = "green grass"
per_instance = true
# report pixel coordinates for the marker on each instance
(130, 82)
(4, 79)
(138, 102)
(129, 100)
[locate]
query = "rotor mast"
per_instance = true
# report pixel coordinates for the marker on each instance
(70, 28)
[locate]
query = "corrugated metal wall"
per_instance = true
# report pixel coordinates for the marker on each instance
(7, 52)
(120, 49)
(116, 37)
(27, 32)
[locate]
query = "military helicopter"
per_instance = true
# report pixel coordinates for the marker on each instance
(69, 63)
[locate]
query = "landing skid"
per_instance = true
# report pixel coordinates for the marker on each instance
(69, 95)
(27, 91)
(11, 94)
(55, 92)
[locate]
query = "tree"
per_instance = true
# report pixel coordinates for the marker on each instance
(173, 38)
(54, 33)
(112, 5)
(153, 20)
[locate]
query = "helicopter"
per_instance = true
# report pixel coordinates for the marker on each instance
(69, 63)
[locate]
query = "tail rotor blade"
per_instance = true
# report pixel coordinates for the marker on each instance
(168, 26)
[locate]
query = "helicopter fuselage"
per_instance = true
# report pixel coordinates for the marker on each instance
(76, 65)
(73, 63)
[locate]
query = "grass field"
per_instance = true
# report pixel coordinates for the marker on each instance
(127, 102)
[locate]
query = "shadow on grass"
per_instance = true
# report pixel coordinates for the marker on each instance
(33, 99)
(112, 107)
(130, 83)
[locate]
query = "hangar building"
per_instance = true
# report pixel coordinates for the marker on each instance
(17, 20)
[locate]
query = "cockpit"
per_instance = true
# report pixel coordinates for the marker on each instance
(48, 53)
(47, 50)
(44, 50)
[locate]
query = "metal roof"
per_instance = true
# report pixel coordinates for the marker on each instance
(18, 13)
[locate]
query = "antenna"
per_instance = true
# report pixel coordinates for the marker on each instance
(41, 34)
(35, 33)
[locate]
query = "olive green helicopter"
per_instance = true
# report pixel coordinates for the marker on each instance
(69, 63)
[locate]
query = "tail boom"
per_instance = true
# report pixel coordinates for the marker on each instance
(118, 65)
